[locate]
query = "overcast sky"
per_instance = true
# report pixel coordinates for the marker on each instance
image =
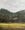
(13, 5)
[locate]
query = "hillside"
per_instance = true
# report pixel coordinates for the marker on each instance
(7, 16)
(21, 16)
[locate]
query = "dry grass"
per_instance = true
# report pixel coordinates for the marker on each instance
(12, 26)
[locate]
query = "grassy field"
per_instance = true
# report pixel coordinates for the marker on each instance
(12, 26)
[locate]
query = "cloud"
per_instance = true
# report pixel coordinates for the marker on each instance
(13, 5)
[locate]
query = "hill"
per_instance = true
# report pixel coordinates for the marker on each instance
(7, 16)
(21, 16)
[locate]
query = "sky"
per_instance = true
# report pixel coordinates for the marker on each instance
(13, 5)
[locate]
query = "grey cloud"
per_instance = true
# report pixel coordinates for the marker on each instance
(13, 5)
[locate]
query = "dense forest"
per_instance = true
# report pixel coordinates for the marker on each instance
(7, 16)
